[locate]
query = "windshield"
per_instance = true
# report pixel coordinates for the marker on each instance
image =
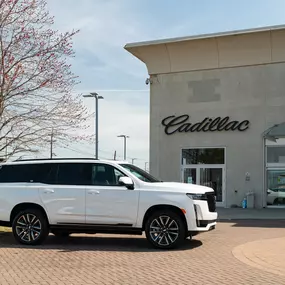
(139, 173)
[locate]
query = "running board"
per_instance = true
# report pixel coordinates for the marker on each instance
(95, 228)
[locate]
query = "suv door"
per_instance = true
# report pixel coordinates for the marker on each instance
(107, 202)
(63, 192)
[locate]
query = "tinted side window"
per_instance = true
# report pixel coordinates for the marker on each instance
(45, 173)
(6, 173)
(74, 174)
(17, 173)
(41, 173)
(104, 174)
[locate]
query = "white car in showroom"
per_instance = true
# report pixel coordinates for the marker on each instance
(65, 196)
(276, 196)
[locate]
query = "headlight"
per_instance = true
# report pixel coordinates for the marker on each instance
(197, 196)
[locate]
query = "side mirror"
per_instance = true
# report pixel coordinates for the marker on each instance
(126, 181)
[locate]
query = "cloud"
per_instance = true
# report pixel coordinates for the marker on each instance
(105, 27)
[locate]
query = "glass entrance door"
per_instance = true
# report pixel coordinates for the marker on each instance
(213, 177)
(205, 166)
(190, 175)
(210, 176)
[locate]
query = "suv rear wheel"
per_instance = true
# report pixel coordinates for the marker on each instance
(165, 229)
(30, 227)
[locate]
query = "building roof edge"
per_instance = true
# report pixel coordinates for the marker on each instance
(203, 36)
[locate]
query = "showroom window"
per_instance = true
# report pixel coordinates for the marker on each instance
(203, 156)
(275, 154)
(275, 190)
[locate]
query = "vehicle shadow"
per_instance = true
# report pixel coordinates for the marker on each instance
(94, 243)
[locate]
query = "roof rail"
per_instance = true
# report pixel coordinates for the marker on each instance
(50, 159)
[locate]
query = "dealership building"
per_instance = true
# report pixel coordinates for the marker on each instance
(217, 113)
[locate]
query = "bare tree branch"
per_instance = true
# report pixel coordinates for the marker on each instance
(36, 80)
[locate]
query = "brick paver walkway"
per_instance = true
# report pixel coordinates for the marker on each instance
(266, 254)
(212, 258)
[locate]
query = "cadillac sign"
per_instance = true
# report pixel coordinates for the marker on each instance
(182, 124)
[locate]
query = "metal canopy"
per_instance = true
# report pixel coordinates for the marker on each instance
(275, 132)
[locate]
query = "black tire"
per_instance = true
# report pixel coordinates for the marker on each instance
(60, 234)
(191, 235)
(30, 227)
(276, 201)
(170, 230)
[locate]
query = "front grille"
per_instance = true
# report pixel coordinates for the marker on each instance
(211, 199)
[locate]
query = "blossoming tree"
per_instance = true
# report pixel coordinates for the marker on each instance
(36, 80)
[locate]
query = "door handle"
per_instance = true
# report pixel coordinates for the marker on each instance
(93, 192)
(48, 191)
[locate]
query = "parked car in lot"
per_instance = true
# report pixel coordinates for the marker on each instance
(65, 196)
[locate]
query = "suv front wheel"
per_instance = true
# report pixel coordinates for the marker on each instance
(165, 229)
(30, 227)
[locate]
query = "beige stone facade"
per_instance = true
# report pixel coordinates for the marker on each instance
(238, 77)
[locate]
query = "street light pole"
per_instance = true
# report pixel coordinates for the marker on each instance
(52, 141)
(125, 145)
(97, 97)
(96, 127)
(133, 159)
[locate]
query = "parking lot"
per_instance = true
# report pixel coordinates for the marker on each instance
(245, 252)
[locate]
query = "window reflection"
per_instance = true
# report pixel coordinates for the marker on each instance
(276, 154)
(276, 187)
(190, 175)
(203, 156)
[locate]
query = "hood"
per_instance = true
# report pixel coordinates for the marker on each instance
(179, 187)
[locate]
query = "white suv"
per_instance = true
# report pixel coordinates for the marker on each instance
(65, 196)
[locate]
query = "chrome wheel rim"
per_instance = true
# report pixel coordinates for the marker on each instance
(28, 228)
(164, 230)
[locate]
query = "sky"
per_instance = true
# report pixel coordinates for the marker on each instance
(103, 66)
